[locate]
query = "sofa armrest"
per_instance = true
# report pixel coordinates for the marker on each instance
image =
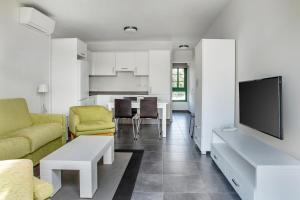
(51, 118)
(108, 117)
(73, 121)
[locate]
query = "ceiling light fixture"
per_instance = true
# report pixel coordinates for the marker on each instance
(184, 46)
(130, 29)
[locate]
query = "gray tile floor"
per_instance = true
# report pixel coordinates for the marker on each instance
(173, 168)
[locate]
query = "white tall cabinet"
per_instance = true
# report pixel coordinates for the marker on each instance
(215, 88)
(69, 74)
(160, 77)
(160, 72)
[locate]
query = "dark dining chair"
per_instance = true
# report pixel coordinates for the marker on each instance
(154, 98)
(134, 110)
(123, 110)
(148, 110)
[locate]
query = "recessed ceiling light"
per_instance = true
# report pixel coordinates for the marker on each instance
(184, 46)
(130, 29)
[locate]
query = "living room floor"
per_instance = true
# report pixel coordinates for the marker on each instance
(173, 168)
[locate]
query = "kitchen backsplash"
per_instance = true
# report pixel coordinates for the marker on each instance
(124, 81)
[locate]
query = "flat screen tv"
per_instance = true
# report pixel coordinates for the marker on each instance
(261, 105)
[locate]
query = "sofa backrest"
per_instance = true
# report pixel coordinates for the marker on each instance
(14, 115)
(90, 113)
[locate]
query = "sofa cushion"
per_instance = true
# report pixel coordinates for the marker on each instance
(92, 113)
(42, 189)
(94, 125)
(16, 180)
(14, 115)
(14, 148)
(41, 134)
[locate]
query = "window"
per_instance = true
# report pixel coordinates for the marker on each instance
(179, 84)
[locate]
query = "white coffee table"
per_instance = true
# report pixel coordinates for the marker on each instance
(81, 154)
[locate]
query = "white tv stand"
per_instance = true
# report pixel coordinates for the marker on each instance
(257, 171)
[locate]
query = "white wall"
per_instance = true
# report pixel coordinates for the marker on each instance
(182, 56)
(192, 87)
(129, 45)
(24, 57)
(268, 44)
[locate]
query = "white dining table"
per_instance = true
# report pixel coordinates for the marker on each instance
(160, 105)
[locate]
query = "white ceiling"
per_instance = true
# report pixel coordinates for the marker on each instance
(94, 20)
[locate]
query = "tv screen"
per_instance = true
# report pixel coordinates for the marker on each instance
(260, 105)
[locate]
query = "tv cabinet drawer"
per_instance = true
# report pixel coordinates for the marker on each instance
(241, 186)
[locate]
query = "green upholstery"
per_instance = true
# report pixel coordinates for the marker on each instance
(15, 147)
(40, 134)
(14, 115)
(53, 118)
(37, 155)
(41, 189)
(96, 132)
(25, 135)
(90, 120)
(94, 125)
(17, 182)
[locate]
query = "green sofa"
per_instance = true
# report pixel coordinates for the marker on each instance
(28, 136)
(91, 120)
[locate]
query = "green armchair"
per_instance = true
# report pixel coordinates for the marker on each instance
(90, 120)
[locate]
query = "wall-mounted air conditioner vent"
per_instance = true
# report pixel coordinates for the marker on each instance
(34, 18)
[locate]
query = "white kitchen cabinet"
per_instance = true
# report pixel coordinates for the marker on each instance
(215, 88)
(81, 49)
(69, 75)
(141, 62)
(103, 64)
(125, 61)
(160, 72)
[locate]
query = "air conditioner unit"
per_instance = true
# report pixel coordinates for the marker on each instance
(34, 18)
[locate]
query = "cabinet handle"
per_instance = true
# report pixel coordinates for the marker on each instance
(124, 68)
(235, 183)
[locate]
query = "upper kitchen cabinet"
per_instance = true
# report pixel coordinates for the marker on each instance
(160, 72)
(141, 60)
(108, 63)
(103, 64)
(81, 49)
(125, 61)
(137, 62)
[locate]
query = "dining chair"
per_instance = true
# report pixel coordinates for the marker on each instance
(134, 110)
(123, 110)
(148, 110)
(155, 98)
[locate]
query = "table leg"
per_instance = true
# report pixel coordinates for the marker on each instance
(88, 180)
(51, 176)
(164, 121)
(108, 157)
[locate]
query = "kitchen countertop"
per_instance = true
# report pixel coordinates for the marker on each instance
(118, 93)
